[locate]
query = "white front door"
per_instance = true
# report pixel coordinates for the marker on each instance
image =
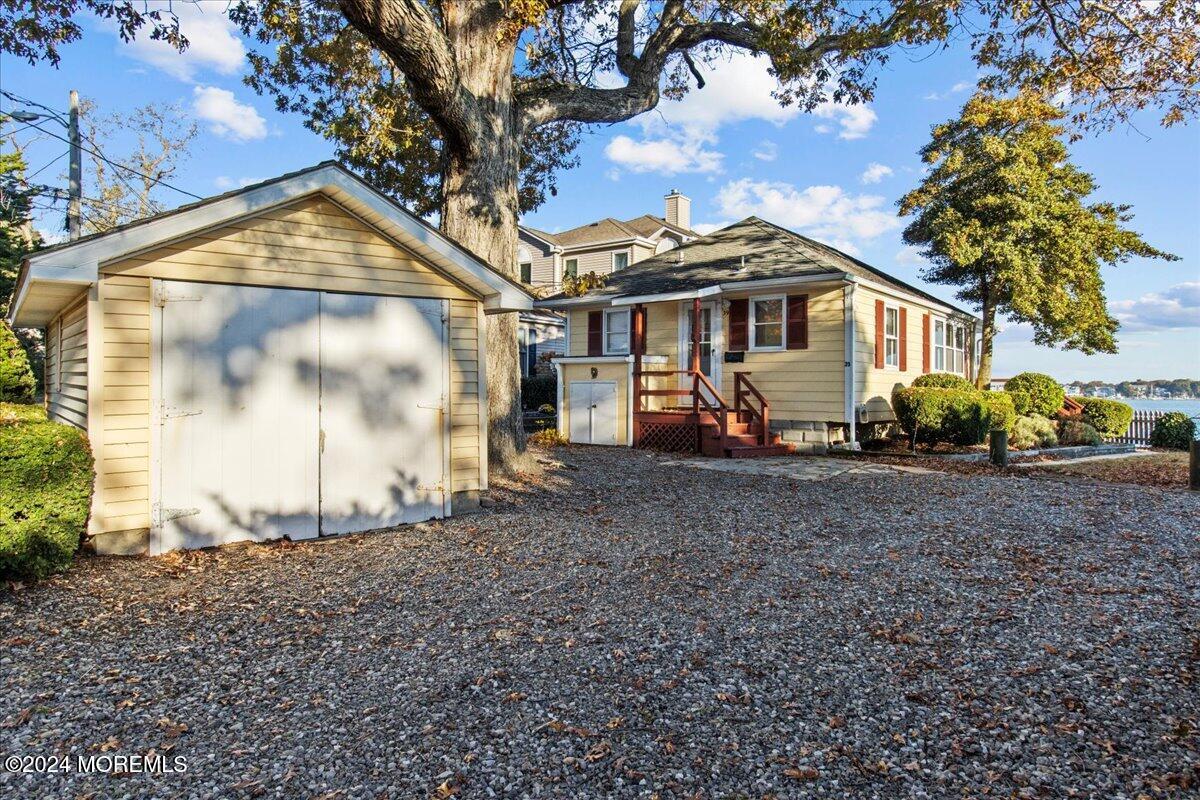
(710, 343)
(383, 362)
(238, 414)
(593, 412)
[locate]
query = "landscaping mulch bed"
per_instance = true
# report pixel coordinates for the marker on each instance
(627, 628)
(1163, 469)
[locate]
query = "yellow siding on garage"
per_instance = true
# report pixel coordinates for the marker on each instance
(66, 365)
(121, 433)
(309, 244)
(466, 397)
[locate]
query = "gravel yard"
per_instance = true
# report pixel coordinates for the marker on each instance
(627, 628)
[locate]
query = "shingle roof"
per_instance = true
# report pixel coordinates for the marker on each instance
(607, 229)
(752, 249)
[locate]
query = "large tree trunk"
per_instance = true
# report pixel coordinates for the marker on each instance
(479, 207)
(986, 337)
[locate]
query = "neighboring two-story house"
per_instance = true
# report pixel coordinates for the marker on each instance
(604, 247)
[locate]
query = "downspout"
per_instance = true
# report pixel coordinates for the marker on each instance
(850, 411)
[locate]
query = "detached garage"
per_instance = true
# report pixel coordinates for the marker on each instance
(299, 358)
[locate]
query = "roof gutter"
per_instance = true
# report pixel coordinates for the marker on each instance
(912, 298)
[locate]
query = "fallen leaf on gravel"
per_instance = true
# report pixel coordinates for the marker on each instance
(19, 719)
(836, 722)
(598, 752)
(802, 773)
(111, 743)
(172, 729)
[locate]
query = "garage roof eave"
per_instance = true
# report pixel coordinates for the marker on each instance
(78, 262)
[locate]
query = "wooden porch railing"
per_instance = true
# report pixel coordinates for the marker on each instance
(744, 389)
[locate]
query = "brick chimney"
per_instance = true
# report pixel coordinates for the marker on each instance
(679, 209)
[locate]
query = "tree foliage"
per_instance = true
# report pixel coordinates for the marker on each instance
(1004, 216)
(17, 237)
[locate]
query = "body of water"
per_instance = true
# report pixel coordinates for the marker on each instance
(1189, 407)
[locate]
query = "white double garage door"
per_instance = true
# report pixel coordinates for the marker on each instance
(284, 412)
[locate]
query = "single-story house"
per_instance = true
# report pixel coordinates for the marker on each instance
(751, 340)
(540, 332)
(296, 358)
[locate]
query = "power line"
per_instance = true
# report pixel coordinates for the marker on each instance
(47, 164)
(117, 165)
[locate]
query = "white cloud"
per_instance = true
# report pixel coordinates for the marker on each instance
(226, 117)
(875, 172)
(669, 155)
(957, 88)
(213, 44)
(766, 151)
(855, 121)
(828, 213)
(679, 135)
(1176, 307)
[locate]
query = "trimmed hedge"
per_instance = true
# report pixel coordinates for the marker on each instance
(1073, 432)
(1174, 430)
(539, 390)
(1045, 395)
(931, 414)
(943, 380)
(45, 492)
(1002, 412)
(1032, 431)
(1109, 417)
(17, 383)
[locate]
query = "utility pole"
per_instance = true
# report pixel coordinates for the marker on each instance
(75, 172)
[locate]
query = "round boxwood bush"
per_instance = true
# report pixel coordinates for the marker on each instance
(45, 493)
(17, 383)
(1109, 417)
(943, 380)
(1001, 411)
(1045, 395)
(1072, 432)
(1021, 401)
(1032, 431)
(1174, 430)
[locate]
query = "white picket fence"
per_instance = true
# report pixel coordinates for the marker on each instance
(1139, 428)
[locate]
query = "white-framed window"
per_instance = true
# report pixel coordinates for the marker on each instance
(891, 337)
(571, 268)
(616, 332)
(620, 260)
(526, 272)
(768, 322)
(949, 347)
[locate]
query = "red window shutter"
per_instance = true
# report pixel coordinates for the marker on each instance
(595, 333)
(797, 322)
(903, 343)
(878, 334)
(739, 321)
(925, 324)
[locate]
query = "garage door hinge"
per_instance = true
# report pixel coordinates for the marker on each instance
(162, 296)
(170, 412)
(162, 515)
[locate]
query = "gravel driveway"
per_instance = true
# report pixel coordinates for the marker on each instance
(628, 628)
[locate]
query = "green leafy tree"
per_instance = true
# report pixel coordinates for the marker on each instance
(1003, 215)
(470, 107)
(20, 351)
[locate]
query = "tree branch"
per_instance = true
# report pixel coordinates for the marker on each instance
(410, 36)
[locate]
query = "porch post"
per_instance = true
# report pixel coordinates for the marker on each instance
(696, 335)
(638, 336)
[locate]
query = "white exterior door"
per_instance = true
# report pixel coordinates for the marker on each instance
(383, 411)
(287, 412)
(711, 343)
(238, 414)
(593, 412)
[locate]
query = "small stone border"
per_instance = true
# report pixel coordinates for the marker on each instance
(1078, 451)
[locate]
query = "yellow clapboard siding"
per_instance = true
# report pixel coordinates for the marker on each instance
(123, 494)
(121, 480)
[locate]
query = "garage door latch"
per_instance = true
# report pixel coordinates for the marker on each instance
(163, 515)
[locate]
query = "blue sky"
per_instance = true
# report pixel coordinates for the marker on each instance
(834, 174)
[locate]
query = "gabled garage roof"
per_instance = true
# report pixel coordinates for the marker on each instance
(52, 277)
